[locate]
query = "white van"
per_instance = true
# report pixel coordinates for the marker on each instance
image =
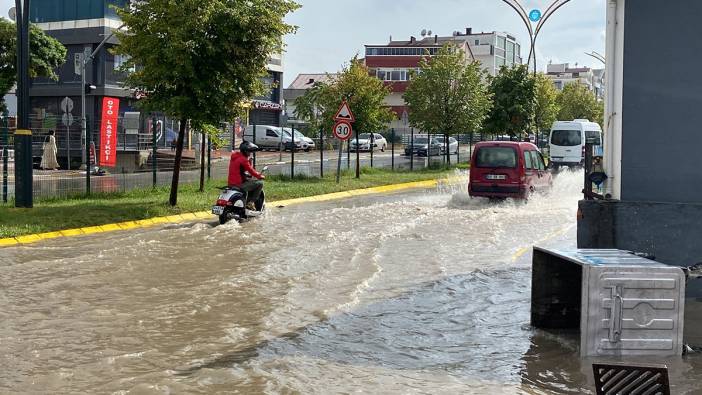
(567, 141)
(277, 138)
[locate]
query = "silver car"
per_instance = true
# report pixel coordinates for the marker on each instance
(368, 141)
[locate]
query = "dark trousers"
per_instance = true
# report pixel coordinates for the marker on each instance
(253, 189)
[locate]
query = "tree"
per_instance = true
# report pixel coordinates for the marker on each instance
(46, 55)
(577, 101)
(199, 60)
(547, 108)
(448, 95)
(513, 91)
(308, 107)
(364, 93)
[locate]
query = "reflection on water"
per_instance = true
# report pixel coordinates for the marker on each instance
(424, 292)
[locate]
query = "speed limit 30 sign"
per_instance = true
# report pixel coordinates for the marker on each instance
(343, 130)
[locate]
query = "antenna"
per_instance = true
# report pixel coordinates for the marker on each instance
(429, 33)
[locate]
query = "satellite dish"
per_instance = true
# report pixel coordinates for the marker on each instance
(424, 32)
(12, 13)
(429, 33)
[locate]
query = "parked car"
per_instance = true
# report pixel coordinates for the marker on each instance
(504, 169)
(567, 141)
(302, 142)
(453, 144)
(422, 147)
(365, 140)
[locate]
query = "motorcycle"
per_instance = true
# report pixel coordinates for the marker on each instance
(231, 204)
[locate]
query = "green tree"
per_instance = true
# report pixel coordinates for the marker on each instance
(309, 107)
(199, 60)
(577, 101)
(513, 91)
(46, 55)
(547, 108)
(448, 96)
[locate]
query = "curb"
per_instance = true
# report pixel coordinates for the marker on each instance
(174, 219)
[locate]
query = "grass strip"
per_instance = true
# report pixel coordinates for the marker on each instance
(100, 209)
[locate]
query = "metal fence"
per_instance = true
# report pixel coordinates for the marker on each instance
(146, 157)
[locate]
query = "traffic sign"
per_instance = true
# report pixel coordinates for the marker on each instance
(344, 113)
(535, 15)
(343, 130)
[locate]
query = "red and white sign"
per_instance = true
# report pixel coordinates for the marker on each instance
(108, 132)
(344, 113)
(343, 130)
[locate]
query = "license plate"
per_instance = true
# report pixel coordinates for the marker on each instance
(217, 210)
(495, 177)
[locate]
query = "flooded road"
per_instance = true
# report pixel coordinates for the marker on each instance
(421, 292)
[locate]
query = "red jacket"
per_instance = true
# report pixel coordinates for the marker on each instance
(238, 165)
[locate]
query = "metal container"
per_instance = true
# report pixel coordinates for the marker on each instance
(621, 303)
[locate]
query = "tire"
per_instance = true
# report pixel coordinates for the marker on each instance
(382, 149)
(307, 149)
(224, 218)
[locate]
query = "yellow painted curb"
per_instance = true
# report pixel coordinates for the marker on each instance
(8, 242)
(145, 223)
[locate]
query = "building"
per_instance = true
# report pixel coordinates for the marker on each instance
(393, 62)
(268, 108)
(562, 74)
(80, 26)
(10, 100)
(299, 86)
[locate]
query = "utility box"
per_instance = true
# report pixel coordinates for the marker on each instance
(621, 303)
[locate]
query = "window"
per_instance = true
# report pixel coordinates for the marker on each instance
(477, 42)
(501, 42)
(566, 138)
(528, 163)
(537, 160)
(594, 135)
(378, 136)
(502, 157)
(271, 133)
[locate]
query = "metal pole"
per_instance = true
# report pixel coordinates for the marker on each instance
(23, 135)
(411, 149)
(358, 157)
(4, 129)
(458, 149)
(209, 158)
(348, 156)
(292, 154)
(154, 161)
(338, 161)
(371, 146)
(392, 150)
(321, 153)
(255, 130)
(83, 121)
(88, 168)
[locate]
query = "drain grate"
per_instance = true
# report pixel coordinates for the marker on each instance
(631, 379)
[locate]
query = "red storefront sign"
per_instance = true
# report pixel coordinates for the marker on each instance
(108, 132)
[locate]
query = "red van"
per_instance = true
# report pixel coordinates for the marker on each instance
(507, 169)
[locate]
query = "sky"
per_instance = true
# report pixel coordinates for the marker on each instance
(331, 32)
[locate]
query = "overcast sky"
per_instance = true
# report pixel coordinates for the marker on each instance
(332, 31)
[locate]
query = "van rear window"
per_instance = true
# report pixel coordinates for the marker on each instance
(566, 138)
(502, 157)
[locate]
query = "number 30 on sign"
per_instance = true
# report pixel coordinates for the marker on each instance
(343, 130)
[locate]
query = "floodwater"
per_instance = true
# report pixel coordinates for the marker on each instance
(421, 292)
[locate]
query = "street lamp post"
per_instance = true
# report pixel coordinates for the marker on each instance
(23, 135)
(539, 19)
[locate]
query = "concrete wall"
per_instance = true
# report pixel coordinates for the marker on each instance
(661, 155)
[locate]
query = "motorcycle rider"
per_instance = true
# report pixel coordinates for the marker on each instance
(238, 166)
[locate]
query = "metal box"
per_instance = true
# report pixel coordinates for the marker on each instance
(621, 303)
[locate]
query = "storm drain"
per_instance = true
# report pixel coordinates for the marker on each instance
(631, 380)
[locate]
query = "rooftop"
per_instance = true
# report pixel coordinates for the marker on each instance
(305, 81)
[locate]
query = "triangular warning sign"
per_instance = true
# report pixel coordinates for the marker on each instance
(344, 113)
